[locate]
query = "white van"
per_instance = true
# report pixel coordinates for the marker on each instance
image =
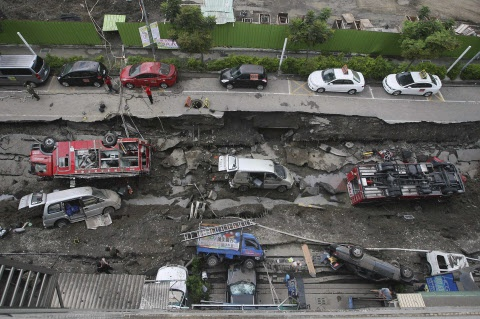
(72, 205)
(23, 69)
(245, 173)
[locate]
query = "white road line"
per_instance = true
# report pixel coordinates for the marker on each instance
(289, 88)
(371, 92)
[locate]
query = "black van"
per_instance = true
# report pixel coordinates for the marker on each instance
(245, 75)
(83, 73)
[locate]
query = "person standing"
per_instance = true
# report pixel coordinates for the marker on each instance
(104, 266)
(149, 94)
(108, 82)
(32, 92)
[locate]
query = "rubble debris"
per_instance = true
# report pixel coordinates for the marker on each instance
(349, 145)
(168, 142)
(324, 161)
(98, 221)
(444, 156)
(194, 158)
(468, 155)
(297, 156)
(212, 195)
(333, 150)
(177, 158)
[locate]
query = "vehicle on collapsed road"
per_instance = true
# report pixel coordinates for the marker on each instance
(110, 157)
(369, 267)
(368, 183)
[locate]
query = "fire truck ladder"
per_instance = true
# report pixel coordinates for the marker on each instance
(204, 232)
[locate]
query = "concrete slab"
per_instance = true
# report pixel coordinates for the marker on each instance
(318, 200)
(452, 158)
(166, 143)
(194, 158)
(324, 161)
(333, 150)
(468, 155)
(469, 246)
(297, 156)
(177, 158)
(444, 156)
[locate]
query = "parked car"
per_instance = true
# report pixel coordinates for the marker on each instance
(82, 73)
(245, 75)
(23, 69)
(336, 80)
(241, 286)
(369, 267)
(149, 74)
(416, 83)
(177, 278)
(72, 205)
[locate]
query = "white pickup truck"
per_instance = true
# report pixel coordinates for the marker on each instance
(439, 262)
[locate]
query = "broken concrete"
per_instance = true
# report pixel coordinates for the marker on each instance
(195, 157)
(452, 158)
(468, 155)
(318, 200)
(177, 158)
(324, 161)
(333, 150)
(167, 143)
(444, 156)
(297, 156)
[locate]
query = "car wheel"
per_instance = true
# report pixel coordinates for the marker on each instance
(427, 94)
(61, 223)
(229, 86)
(397, 93)
(320, 90)
(108, 210)
(97, 84)
(129, 86)
(32, 84)
(427, 269)
(65, 84)
(406, 273)
(48, 144)
(282, 189)
(243, 188)
(260, 87)
(164, 85)
(395, 263)
(352, 91)
(212, 261)
(110, 139)
(249, 263)
(356, 252)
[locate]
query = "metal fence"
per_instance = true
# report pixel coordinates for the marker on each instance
(49, 32)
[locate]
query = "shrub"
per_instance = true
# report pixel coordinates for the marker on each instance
(431, 68)
(195, 64)
(134, 59)
(471, 72)
(56, 62)
(455, 71)
(195, 284)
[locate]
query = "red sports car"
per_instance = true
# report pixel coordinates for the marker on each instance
(149, 74)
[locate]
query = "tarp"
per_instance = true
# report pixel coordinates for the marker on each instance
(443, 282)
(110, 21)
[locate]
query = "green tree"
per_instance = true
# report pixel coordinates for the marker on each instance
(171, 9)
(426, 39)
(193, 31)
(312, 29)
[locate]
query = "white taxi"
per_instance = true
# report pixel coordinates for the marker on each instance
(336, 80)
(416, 83)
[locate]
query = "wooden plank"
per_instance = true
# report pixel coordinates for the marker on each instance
(309, 261)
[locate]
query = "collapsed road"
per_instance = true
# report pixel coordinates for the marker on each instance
(319, 150)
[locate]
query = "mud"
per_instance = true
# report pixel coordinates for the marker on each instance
(147, 236)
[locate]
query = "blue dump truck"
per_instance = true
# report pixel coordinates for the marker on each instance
(230, 245)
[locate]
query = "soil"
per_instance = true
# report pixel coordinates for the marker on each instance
(147, 237)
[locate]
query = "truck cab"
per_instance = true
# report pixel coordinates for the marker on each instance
(439, 262)
(246, 173)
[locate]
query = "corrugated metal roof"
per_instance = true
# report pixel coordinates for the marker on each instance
(100, 291)
(110, 21)
(222, 10)
(155, 295)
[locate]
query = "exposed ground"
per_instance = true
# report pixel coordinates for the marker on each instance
(147, 236)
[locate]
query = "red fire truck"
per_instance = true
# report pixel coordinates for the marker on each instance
(383, 181)
(100, 158)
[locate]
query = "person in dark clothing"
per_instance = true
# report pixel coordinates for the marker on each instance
(32, 92)
(108, 82)
(149, 94)
(103, 266)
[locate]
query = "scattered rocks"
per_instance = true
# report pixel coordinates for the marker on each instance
(177, 158)
(297, 156)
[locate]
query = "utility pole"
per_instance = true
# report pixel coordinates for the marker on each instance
(26, 43)
(148, 29)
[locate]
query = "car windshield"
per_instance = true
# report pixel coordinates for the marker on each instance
(98, 193)
(242, 288)
(434, 81)
(404, 78)
(235, 72)
(37, 66)
(356, 76)
(66, 68)
(175, 298)
(280, 171)
(328, 75)
(134, 70)
(164, 69)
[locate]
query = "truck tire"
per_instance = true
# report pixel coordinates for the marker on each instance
(249, 263)
(110, 139)
(48, 144)
(243, 188)
(282, 189)
(356, 252)
(427, 269)
(212, 261)
(406, 272)
(108, 210)
(61, 223)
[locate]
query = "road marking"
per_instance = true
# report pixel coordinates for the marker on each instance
(440, 96)
(371, 92)
(289, 88)
(300, 86)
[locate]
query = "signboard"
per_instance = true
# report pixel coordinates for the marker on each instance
(155, 31)
(443, 282)
(167, 44)
(144, 36)
(227, 240)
